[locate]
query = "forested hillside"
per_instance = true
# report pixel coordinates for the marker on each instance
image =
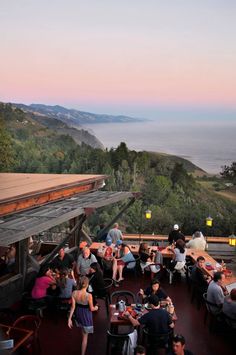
(168, 190)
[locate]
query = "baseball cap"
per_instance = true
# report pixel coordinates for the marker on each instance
(176, 227)
(108, 241)
(119, 242)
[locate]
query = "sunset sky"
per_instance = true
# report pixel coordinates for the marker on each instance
(130, 57)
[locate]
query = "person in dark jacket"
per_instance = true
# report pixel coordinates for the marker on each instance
(199, 277)
(96, 282)
(175, 234)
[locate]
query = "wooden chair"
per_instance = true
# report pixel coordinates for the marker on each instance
(30, 322)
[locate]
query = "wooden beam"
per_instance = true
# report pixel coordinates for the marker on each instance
(65, 240)
(108, 226)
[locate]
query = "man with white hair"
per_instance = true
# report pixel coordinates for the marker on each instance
(115, 233)
(175, 234)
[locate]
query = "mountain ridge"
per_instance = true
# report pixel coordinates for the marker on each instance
(75, 117)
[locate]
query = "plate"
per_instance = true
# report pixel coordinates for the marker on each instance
(147, 306)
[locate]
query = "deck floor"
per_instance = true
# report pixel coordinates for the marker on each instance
(56, 337)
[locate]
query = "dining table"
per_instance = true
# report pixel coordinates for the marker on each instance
(167, 253)
(117, 320)
(19, 336)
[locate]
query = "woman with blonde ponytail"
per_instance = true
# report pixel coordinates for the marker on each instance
(85, 307)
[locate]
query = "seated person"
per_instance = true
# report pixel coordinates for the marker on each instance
(140, 350)
(8, 261)
(146, 259)
(62, 261)
(178, 346)
(197, 242)
(215, 292)
(105, 252)
(43, 282)
(84, 261)
(157, 321)
(179, 255)
(96, 281)
(66, 284)
(229, 305)
(154, 289)
(199, 277)
(122, 257)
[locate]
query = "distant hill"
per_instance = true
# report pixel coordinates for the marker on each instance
(54, 122)
(74, 117)
(171, 160)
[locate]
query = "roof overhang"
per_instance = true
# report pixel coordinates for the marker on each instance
(27, 223)
(19, 192)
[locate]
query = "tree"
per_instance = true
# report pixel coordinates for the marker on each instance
(6, 149)
(229, 172)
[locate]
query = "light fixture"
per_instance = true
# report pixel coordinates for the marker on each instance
(232, 240)
(209, 221)
(148, 214)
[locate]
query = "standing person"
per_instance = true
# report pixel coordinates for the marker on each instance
(115, 233)
(96, 281)
(84, 317)
(178, 346)
(175, 234)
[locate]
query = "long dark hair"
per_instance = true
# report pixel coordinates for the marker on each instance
(180, 244)
(63, 277)
(96, 267)
(43, 270)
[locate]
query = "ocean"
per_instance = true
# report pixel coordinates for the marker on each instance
(208, 145)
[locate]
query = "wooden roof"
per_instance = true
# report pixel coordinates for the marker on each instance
(21, 191)
(27, 223)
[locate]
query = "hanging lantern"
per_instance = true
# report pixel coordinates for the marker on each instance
(148, 214)
(209, 221)
(232, 240)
